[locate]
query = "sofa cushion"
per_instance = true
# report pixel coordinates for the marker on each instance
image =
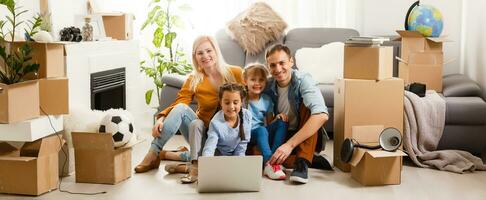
(316, 37)
(327, 91)
(465, 111)
(255, 27)
(324, 63)
(459, 85)
(233, 54)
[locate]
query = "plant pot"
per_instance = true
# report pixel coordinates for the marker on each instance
(19, 101)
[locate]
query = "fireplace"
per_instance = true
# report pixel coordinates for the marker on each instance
(108, 89)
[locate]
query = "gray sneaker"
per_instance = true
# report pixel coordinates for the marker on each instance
(300, 174)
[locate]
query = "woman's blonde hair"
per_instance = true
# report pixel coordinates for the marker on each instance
(222, 66)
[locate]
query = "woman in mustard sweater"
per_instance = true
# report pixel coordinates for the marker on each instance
(210, 72)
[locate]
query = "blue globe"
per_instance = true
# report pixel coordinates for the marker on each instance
(427, 20)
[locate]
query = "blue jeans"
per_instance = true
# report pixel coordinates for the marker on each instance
(269, 138)
(179, 118)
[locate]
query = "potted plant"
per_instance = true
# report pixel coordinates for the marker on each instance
(165, 56)
(19, 98)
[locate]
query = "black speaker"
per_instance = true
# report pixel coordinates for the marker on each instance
(390, 140)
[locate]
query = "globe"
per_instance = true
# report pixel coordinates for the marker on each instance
(425, 19)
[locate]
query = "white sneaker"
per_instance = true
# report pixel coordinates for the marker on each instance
(274, 172)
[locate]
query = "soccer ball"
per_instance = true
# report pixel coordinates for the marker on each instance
(120, 126)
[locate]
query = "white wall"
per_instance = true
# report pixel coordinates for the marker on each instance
(474, 48)
(383, 17)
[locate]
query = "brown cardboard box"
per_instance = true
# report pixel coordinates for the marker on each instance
(31, 171)
(54, 96)
(118, 25)
(363, 102)
(50, 57)
(421, 59)
(19, 101)
(372, 63)
(374, 167)
(97, 160)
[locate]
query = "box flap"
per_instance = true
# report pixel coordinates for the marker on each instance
(22, 159)
(133, 141)
(383, 154)
(366, 134)
(6, 148)
(358, 154)
(42, 147)
(404, 33)
(85, 140)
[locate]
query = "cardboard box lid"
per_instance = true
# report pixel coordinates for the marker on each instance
(101, 141)
(42, 147)
(416, 34)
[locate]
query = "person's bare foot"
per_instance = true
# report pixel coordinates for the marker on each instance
(192, 176)
(149, 162)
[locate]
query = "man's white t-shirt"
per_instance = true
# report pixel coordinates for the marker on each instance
(284, 107)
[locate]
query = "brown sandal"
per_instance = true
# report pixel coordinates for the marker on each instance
(179, 149)
(177, 168)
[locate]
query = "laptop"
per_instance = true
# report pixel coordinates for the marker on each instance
(229, 174)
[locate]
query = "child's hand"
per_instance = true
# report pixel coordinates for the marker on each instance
(283, 117)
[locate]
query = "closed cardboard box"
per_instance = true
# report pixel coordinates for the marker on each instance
(50, 57)
(19, 101)
(54, 96)
(374, 167)
(371, 63)
(363, 102)
(97, 160)
(118, 26)
(421, 59)
(31, 171)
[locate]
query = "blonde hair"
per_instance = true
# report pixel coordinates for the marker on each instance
(255, 67)
(222, 66)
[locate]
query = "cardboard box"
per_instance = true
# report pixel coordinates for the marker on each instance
(19, 101)
(421, 59)
(54, 96)
(97, 160)
(50, 57)
(363, 102)
(371, 63)
(374, 167)
(31, 130)
(423, 67)
(31, 171)
(118, 25)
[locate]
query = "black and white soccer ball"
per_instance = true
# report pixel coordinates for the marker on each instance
(120, 126)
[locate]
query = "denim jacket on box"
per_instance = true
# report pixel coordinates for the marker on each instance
(302, 89)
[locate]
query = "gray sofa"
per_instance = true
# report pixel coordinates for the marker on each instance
(466, 112)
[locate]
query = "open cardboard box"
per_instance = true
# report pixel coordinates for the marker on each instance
(32, 170)
(118, 25)
(363, 102)
(19, 101)
(54, 96)
(98, 161)
(374, 167)
(50, 57)
(421, 59)
(371, 63)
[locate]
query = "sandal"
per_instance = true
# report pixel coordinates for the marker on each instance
(179, 149)
(191, 177)
(174, 168)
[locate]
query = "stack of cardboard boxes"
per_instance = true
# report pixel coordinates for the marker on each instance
(368, 95)
(421, 59)
(30, 111)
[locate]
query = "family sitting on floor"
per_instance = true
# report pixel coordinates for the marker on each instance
(278, 118)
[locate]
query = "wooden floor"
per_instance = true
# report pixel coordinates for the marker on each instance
(417, 183)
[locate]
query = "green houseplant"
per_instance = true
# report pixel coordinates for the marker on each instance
(165, 56)
(16, 60)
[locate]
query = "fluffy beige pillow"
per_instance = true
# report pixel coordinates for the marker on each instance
(255, 27)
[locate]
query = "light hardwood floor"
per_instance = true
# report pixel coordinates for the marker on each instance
(417, 183)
